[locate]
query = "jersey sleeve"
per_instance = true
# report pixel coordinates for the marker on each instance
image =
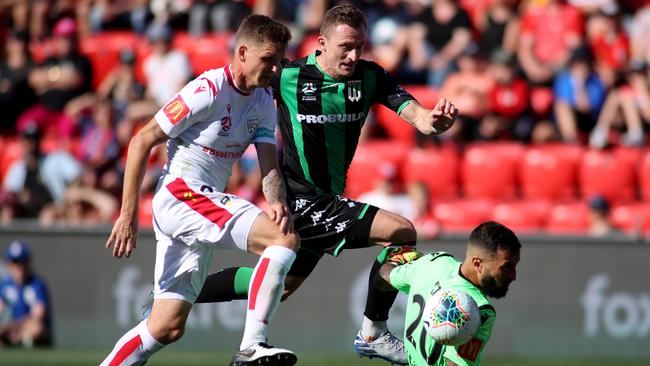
(275, 80)
(265, 120)
(388, 92)
(401, 277)
(187, 107)
(469, 353)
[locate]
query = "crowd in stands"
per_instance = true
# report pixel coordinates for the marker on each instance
(547, 89)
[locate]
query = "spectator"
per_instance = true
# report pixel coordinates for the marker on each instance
(627, 105)
(221, 15)
(599, 221)
(550, 30)
(509, 96)
(166, 69)
(498, 27)
(388, 28)
(640, 28)
(121, 87)
(421, 214)
(610, 46)
(439, 35)
(100, 15)
(38, 181)
(25, 296)
(384, 195)
(579, 96)
(15, 93)
(57, 81)
(469, 88)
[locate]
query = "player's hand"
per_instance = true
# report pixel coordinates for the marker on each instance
(403, 255)
(442, 116)
(124, 235)
(280, 214)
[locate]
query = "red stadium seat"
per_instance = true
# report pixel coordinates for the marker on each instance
(205, 53)
(644, 176)
(13, 150)
(489, 170)
(435, 167)
(522, 216)
(633, 217)
(394, 125)
(549, 171)
(462, 215)
(103, 51)
(568, 219)
(610, 173)
(370, 157)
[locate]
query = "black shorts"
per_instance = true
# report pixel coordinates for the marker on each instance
(328, 224)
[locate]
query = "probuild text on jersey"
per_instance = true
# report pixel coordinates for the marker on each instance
(331, 118)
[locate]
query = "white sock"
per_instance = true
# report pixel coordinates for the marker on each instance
(265, 292)
(134, 348)
(373, 328)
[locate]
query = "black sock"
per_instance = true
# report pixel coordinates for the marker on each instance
(226, 285)
(378, 302)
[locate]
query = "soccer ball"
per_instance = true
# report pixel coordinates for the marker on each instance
(451, 317)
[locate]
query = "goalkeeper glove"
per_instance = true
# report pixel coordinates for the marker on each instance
(403, 255)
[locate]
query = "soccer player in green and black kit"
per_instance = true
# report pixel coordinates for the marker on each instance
(323, 101)
(487, 271)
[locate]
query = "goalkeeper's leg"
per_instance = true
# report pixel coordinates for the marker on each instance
(374, 339)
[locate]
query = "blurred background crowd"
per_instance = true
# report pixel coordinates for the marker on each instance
(554, 98)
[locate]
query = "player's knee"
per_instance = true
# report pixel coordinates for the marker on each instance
(404, 230)
(290, 240)
(167, 333)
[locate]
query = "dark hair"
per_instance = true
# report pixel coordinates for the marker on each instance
(262, 29)
(343, 14)
(493, 236)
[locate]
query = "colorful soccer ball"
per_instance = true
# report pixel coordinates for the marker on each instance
(451, 317)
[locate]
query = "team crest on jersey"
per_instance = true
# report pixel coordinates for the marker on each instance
(354, 90)
(176, 110)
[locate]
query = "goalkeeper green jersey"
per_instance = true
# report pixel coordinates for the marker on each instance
(420, 279)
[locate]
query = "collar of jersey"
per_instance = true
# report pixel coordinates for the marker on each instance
(311, 60)
(231, 81)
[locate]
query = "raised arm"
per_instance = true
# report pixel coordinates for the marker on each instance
(430, 121)
(125, 230)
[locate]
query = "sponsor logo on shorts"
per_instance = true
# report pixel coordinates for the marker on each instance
(176, 109)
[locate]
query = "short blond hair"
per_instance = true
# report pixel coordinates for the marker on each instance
(343, 14)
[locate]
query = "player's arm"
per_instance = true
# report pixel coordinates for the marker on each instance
(125, 230)
(430, 121)
(273, 187)
(394, 257)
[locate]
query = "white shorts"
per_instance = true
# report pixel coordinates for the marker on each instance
(190, 219)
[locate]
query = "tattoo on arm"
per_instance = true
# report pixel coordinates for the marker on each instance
(273, 187)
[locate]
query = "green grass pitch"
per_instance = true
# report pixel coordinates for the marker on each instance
(62, 357)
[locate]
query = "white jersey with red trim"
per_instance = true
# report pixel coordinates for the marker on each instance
(210, 123)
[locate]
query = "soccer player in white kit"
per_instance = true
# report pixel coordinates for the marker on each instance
(207, 126)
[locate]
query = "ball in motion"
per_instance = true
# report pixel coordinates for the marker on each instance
(451, 317)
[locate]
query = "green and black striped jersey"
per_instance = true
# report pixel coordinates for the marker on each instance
(320, 119)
